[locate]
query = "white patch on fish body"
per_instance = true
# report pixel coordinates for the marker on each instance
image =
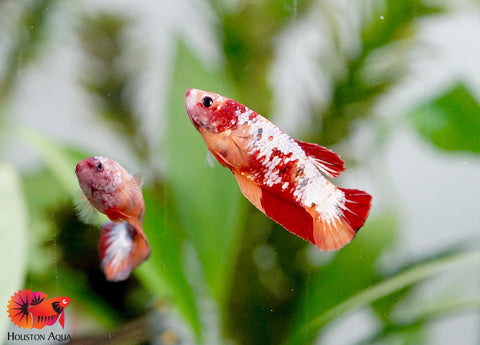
(243, 118)
(312, 188)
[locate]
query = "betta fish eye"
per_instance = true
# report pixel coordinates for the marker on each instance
(99, 166)
(207, 101)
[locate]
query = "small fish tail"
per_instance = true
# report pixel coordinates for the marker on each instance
(18, 308)
(123, 247)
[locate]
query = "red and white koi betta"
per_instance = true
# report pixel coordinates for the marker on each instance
(281, 176)
(113, 191)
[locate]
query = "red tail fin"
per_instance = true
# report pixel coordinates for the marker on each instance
(337, 232)
(357, 205)
(122, 248)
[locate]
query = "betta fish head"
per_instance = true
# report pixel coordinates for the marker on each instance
(61, 302)
(98, 173)
(211, 111)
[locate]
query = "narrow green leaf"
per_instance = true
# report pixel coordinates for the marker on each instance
(451, 121)
(352, 270)
(384, 288)
(411, 324)
(60, 163)
(163, 272)
(207, 199)
(13, 227)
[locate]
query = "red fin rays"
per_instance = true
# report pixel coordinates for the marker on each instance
(325, 159)
(357, 205)
(335, 233)
(122, 248)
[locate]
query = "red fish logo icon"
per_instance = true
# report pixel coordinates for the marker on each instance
(28, 309)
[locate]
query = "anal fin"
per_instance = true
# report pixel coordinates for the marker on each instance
(290, 215)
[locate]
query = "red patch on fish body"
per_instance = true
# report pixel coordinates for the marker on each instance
(279, 175)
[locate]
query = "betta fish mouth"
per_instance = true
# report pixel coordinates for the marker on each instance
(192, 120)
(77, 169)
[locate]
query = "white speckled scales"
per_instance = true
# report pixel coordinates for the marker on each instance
(274, 149)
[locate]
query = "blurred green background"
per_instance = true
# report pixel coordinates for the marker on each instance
(392, 86)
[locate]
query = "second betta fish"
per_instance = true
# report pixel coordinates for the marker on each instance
(113, 191)
(281, 176)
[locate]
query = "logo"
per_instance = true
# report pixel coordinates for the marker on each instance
(28, 309)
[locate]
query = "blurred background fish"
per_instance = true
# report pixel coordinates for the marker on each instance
(113, 191)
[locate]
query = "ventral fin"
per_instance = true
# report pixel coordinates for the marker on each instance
(325, 159)
(86, 212)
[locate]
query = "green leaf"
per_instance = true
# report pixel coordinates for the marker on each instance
(385, 288)
(451, 121)
(163, 272)
(13, 246)
(207, 199)
(410, 325)
(60, 161)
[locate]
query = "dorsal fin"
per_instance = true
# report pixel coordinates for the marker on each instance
(325, 159)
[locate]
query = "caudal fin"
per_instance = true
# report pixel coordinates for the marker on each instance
(122, 248)
(334, 233)
(357, 206)
(19, 304)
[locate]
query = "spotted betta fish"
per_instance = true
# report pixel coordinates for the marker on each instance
(113, 191)
(281, 176)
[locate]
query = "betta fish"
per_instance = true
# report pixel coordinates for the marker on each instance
(28, 309)
(113, 191)
(281, 176)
